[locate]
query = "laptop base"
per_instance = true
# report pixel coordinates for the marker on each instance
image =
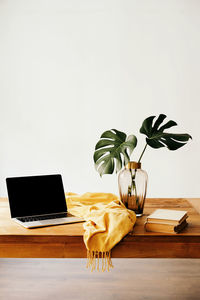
(49, 222)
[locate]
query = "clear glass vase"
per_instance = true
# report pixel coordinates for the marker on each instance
(132, 181)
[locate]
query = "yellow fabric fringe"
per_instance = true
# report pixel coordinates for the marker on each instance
(107, 222)
(100, 261)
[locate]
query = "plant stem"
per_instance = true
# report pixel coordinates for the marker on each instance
(142, 153)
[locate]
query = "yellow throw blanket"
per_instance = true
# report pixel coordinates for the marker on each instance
(107, 222)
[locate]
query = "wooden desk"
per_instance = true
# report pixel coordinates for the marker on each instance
(67, 240)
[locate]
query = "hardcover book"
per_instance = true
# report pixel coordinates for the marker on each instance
(165, 228)
(167, 216)
(166, 221)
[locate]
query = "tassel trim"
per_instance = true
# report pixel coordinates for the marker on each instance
(98, 260)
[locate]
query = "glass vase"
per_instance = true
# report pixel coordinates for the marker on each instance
(132, 181)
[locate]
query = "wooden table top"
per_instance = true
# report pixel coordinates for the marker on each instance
(67, 240)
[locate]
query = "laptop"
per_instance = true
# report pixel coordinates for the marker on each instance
(37, 201)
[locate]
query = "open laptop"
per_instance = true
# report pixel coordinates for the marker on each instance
(37, 201)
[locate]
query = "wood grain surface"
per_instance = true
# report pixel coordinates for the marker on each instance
(67, 240)
(61, 279)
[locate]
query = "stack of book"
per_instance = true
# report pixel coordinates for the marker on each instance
(167, 221)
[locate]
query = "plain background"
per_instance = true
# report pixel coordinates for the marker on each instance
(71, 69)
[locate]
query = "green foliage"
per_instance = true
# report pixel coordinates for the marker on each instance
(157, 138)
(113, 150)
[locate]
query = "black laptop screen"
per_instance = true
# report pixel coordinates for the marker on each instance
(36, 195)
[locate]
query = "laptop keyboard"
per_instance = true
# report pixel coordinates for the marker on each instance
(39, 218)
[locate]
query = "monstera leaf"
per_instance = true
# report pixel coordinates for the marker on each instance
(157, 138)
(113, 150)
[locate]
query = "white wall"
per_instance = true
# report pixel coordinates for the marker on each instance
(71, 69)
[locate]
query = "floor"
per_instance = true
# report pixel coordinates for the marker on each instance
(48, 279)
